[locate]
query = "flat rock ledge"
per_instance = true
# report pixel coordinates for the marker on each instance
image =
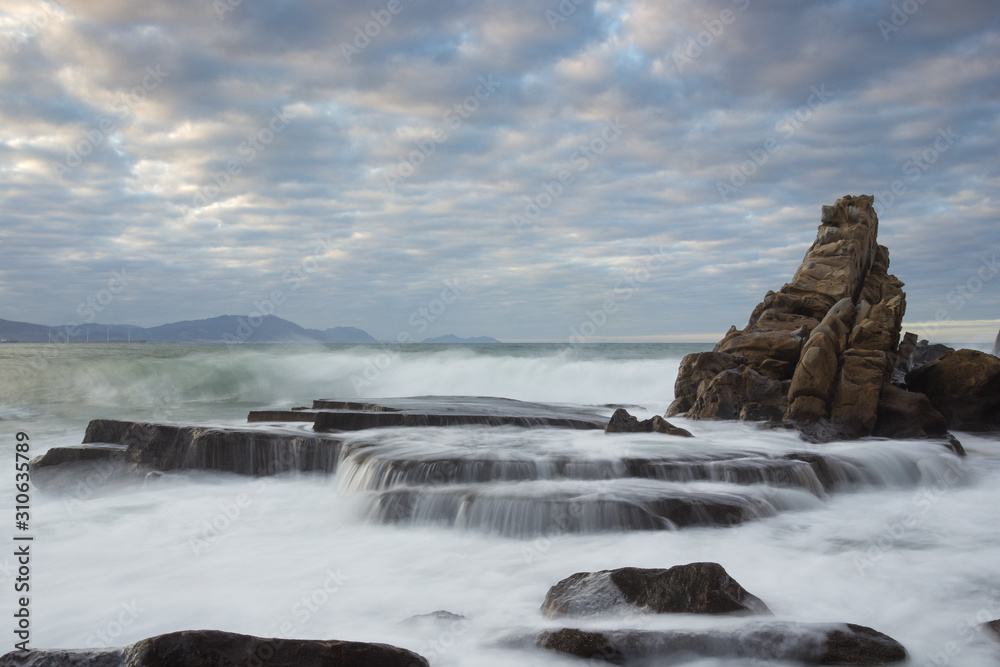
(695, 588)
(814, 644)
(212, 648)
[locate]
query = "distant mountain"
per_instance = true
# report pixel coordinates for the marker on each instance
(343, 335)
(452, 338)
(222, 329)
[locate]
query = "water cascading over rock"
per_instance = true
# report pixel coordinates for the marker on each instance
(820, 350)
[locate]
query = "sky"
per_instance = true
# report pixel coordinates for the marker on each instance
(532, 170)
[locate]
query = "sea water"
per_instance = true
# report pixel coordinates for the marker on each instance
(914, 552)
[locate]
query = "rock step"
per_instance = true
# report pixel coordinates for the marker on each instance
(525, 509)
(211, 648)
(815, 644)
(363, 470)
(164, 447)
(357, 421)
(281, 416)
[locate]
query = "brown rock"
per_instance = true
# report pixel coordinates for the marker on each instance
(730, 391)
(855, 403)
(964, 386)
(806, 408)
(907, 414)
(695, 588)
(623, 422)
(757, 346)
(696, 369)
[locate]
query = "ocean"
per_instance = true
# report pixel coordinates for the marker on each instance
(908, 545)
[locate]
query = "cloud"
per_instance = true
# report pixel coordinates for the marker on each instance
(210, 151)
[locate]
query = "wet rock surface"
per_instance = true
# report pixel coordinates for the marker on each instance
(695, 588)
(814, 644)
(622, 422)
(210, 648)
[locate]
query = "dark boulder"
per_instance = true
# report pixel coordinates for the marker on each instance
(64, 658)
(696, 588)
(907, 414)
(992, 629)
(622, 422)
(580, 643)
(924, 353)
(964, 386)
(212, 648)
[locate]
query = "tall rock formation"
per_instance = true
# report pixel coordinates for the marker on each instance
(820, 349)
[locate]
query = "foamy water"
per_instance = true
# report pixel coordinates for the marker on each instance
(914, 554)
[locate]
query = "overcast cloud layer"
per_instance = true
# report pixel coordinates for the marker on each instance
(658, 164)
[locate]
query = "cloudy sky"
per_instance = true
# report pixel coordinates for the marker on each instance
(651, 165)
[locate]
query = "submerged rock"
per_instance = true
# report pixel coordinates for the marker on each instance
(622, 422)
(211, 648)
(815, 644)
(696, 588)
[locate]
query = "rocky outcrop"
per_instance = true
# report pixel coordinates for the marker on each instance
(210, 648)
(964, 386)
(826, 341)
(996, 346)
(814, 644)
(622, 422)
(695, 588)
